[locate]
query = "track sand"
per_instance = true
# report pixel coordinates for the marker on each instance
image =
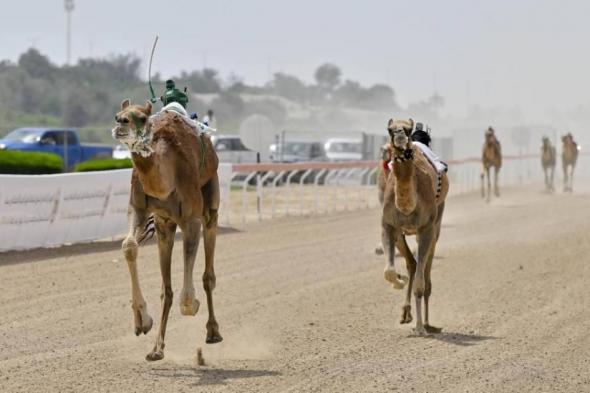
(303, 306)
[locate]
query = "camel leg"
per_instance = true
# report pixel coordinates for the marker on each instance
(545, 170)
(136, 219)
(402, 246)
(166, 231)
(189, 305)
(389, 237)
(379, 247)
(552, 186)
(565, 178)
(426, 239)
(211, 198)
(427, 291)
(482, 177)
(489, 184)
(571, 187)
(428, 287)
(496, 175)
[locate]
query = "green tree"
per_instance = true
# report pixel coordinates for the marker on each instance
(36, 65)
(289, 87)
(327, 76)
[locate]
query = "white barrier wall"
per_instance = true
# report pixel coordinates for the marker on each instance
(53, 210)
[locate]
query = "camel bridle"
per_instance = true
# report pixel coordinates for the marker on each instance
(402, 154)
(137, 140)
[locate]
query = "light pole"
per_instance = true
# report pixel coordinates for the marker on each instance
(69, 6)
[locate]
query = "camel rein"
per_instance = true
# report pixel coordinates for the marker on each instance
(407, 154)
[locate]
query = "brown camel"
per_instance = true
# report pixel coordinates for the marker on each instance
(174, 180)
(548, 158)
(491, 157)
(569, 156)
(384, 170)
(414, 202)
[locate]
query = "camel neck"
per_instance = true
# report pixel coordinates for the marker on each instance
(405, 186)
(142, 164)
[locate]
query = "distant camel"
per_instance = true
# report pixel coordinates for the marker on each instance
(174, 180)
(548, 158)
(491, 157)
(384, 170)
(569, 156)
(414, 202)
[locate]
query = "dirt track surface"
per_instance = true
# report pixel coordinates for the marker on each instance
(303, 306)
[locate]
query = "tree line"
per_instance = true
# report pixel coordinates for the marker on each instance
(34, 90)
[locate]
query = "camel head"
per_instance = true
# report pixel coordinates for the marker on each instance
(567, 138)
(546, 142)
(490, 135)
(133, 128)
(400, 131)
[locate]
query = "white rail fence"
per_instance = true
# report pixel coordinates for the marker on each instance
(54, 210)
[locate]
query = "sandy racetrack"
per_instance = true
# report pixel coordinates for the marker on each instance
(303, 306)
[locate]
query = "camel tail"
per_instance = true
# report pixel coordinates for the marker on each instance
(148, 230)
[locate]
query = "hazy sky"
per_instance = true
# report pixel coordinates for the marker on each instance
(527, 53)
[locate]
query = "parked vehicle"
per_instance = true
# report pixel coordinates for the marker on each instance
(344, 149)
(60, 141)
(297, 151)
(230, 148)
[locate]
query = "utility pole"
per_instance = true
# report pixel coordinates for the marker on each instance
(69, 6)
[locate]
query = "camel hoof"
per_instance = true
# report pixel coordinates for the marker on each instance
(214, 338)
(379, 250)
(154, 356)
(144, 328)
(419, 331)
(191, 308)
(406, 314)
(432, 329)
(148, 326)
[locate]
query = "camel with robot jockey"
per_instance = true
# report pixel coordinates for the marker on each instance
(569, 157)
(413, 204)
(174, 182)
(491, 158)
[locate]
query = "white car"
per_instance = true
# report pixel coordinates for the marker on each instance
(344, 149)
(230, 149)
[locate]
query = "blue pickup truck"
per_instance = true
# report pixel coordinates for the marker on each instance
(54, 140)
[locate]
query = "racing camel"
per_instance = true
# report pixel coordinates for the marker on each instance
(174, 179)
(548, 158)
(414, 202)
(491, 157)
(569, 156)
